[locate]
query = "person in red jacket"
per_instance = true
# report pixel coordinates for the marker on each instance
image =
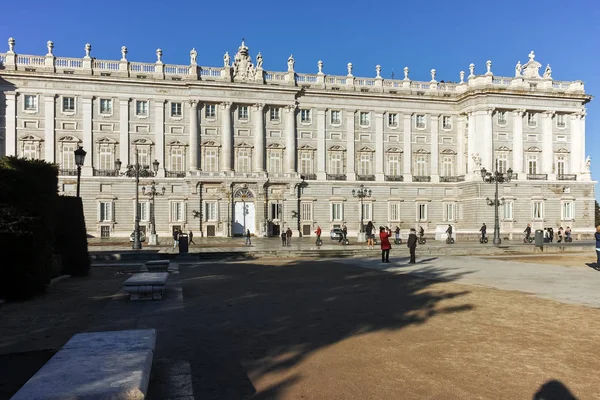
(384, 239)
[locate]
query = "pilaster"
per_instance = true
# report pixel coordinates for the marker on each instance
(290, 139)
(49, 128)
(10, 135)
(194, 137)
(517, 150)
(460, 143)
(471, 152)
(88, 145)
(226, 136)
(379, 150)
(407, 147)
(487, 150)
(435, 150)
(259, 138)
(547, 150)
(159, 136)
(576, 161)
(322, 143)
(124, 132)
(582, 156)
(350, 153)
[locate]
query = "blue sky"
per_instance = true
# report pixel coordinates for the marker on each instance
(445, 35)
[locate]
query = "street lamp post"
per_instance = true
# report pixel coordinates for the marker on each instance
(496, 177)
(152, 193)
(300, 186)
(79, 159)
(361, 193)
(135, 171)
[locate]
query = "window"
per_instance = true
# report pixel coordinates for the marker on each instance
(394, 211)
(141, 108)
(561, 163)
(508, 210)
(447, 166)
(30, 150)
(144, 210)
(306, 163)
(336, 118)
(367, 212)
(31, 102)
(68, 156)
(421, 211)
(243, 112)
(243, 160)
(68, 104)
(306, 211)
(275, 211)
(105, 106)
(560, 120)
(532, 164)
(531, 119)
(305, 115)
(210, 111)
(449, 211)
(446, 122)
(177, 159)
(275, 161)
(393, 164)
(538, 210)
(210, 211)
(143, 153)
(393, 120)
(420, 121)
(501, 117)
(105, 211)
(502, 163)
(364, 118)
(176, 110)
(274, 114)
(365, 163)
(567, 211)
(337, 211)
(421, 166)
(335, 163)
(177, 211)
(210, 160)
(105, 157)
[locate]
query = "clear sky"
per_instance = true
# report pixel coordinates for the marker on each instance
(445, 35)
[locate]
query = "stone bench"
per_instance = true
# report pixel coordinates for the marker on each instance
(99, 365)
(159, 266)
(146, 285)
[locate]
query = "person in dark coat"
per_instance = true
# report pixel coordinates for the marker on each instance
(483, 231)
(283, 237)
(384, 238)
(191, 238)
(288, 239)
(412, 244)
(597, 236)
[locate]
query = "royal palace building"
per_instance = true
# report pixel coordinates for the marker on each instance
(239, 147)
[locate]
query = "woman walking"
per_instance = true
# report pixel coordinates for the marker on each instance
(384, 239)
(370, 235)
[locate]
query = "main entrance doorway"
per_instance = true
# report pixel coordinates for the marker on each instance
(244, 215)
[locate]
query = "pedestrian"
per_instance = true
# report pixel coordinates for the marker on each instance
(412, 244)
(597, 236)
(288, 233)
(370, 235)
(551, 232)
(397, 234)
(483, 231)
(175, 237)
(384, 239)
(318, 232)
(560, 234)
(248, 242)
(191, 238)
(283, 237)
(568, 233)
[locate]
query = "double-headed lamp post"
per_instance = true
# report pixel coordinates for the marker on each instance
(496, 177)
(135, 171)
(297, 214)
(79, 160)
(361, 193)
(152, 193)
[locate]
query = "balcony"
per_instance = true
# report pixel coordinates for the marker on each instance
(174, 174)
(458, 178)
(537, 177)
(567, 177)
(106, 172)
(421, 178)
(365, 177)
(336, 177)
(310, 177)
(394, 178)
(67, 172)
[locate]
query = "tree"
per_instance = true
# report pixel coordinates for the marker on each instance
(597, 213)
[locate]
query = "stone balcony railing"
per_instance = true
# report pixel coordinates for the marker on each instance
(105, 172)
(537, 177)
(394, 178)
(458, 178)
(67, 172)
(566, 177)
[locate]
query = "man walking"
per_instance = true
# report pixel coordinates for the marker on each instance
(175, 238)
(248, 242)
(191, 238)
(412, 244)
(288, 233)
(483, 231)
(283, 237)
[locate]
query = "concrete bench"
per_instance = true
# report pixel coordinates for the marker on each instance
(146, 285)
(99, 365)
(159, 266)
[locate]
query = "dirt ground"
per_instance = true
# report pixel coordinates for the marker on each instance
(273, 329)
(585, 260)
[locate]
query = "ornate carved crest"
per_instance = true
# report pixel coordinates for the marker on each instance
(243, 68)
(243, 193)
(532, 68)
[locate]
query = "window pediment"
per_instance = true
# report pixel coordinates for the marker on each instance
(562, 150)
(421, 151)
(503, 148)
(30, 138)
(142, 142)
(106, 140)
(337, 147)
(69, 139)
(275, 146)
(243, 145)
(366, 149)
(395, 150)
(211, 143)
(448, 152)
(534, 149)
(176, 143)
(307, 147)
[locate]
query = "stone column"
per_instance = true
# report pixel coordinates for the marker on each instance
(321, 145)
(88, 145)
(460, 144)
(259, 138)
(49, 129)
(471, 149)
(547, 150)
(576, 160)
(124, 133)
(407, 148)
(159, 136)
(435, 148)
(10, 134)
(379, 149)
(194, 137)
(290, 139)
(517, 149)
(350, 153)
(226, 137)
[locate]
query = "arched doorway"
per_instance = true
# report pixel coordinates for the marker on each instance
(244, 212)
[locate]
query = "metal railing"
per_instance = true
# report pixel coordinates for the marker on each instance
(175, 174)
(566, 177)
(457, 178)
(336, 177)
(537, 177)
(310, 177)
(365, 177)
(421, 178)
(67, 172)
(394, 178)
(105, 172)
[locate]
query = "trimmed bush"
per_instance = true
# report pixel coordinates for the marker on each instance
(71, 237)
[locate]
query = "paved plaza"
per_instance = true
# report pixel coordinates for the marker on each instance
(348, 328)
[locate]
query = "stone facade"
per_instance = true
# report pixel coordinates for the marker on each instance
(234, 142)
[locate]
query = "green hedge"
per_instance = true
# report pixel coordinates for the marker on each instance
(71, 236)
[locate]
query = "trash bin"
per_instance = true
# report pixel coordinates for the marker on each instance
(539, 237)
(183, 243)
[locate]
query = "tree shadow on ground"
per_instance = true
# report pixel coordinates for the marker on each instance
(246, 320)
(554, 390)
